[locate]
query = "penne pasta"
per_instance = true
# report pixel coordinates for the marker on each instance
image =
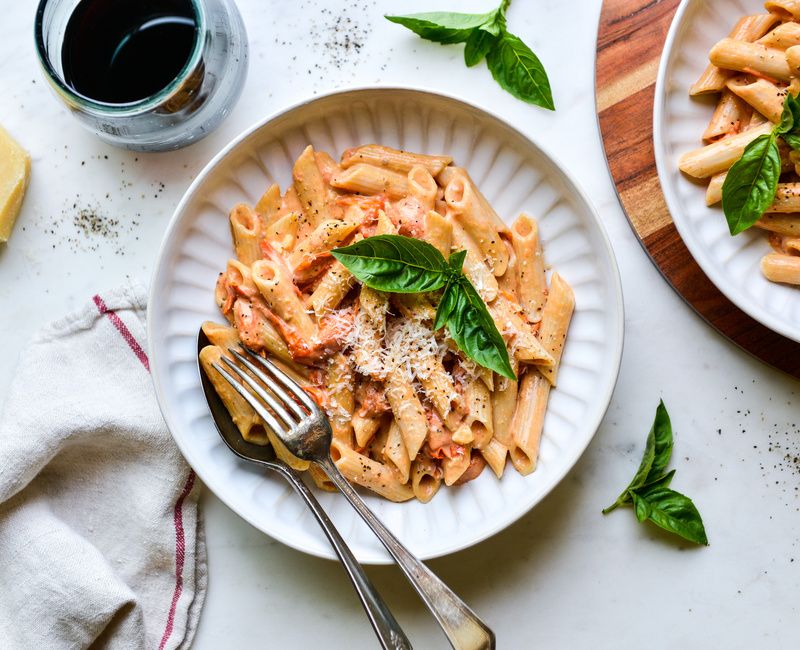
(777, 267)
(764, 96)
(368, 473)
(310, 188)
(749, 28)
(399, 161)
(528, 421)
(731, 115)
(368, 179)
(531, 280)
(269, 204)
(719, 156)
(555, 323)
(246, 232)
(752, 58)
(426, 478)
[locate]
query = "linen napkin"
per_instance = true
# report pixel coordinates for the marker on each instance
(101, 543)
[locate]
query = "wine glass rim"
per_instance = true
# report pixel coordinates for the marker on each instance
(75, 98)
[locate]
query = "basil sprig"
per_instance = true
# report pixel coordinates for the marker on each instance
(649, 492)
(512, 63)
(398, 264)
(751, 183)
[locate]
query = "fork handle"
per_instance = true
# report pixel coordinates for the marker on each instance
(463, 628)
(389, 632)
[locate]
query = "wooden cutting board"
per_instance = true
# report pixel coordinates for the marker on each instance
(629, 45)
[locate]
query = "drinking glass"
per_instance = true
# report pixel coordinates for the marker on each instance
(186, 110)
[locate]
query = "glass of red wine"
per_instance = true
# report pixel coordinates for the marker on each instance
(149, 75)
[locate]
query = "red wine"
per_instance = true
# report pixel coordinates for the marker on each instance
(121, 51)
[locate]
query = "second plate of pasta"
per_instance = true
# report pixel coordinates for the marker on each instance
(697, 138)
(391, 383)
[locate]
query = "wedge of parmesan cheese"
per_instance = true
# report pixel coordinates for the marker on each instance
(15, 169)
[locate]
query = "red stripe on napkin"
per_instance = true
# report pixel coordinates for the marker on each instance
(177, 515)
(122, 328)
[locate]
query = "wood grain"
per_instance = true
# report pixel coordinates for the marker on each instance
(629, 45)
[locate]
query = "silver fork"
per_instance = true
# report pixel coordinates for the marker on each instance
(303, 427)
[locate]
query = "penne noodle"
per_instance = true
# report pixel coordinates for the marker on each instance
(714, 189)
(282, 233)
(448, 173)
(528, 421)
(787, 199)
(478, 273)
(784, 9)
(731, 115)
(269, 204)
(508, 283)
(777, 267)
(525, 346)
(764, 96)
(256, 332)
(719, 156)
(371, 474)
(793, 60)
(504, 400)
(395, 452)
(426, 478)
(555, 323)
(438, 231)
(462, 198)
(279, 292)
(310, 188)
(242, 414)
(752, 58)
(749, 28)
(408, 411)
(342, 400)
(782, 37)
(371, 180)
(453, 468)
(479, 413)
(331, 290)
(495, 456)
(422, 186)
(246, 232)
(783, 224)
(321, 479)
(364, 428)
(399, 161)
(531, 279)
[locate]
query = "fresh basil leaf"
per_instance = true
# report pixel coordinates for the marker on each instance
(657, 452)
(395, 263)
(661, 481)
(792, 139)
(672, 511)
(518, 70)
(790, 116)
(474, 331)
(478, 45)
(443, 27)
(751, 183)
(661, 432)
(447, 304)
(456, 261)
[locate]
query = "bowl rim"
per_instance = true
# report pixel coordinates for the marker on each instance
(617, 316)
(664, 171)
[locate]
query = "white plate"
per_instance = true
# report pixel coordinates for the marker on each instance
(732, 263)
(515, 175)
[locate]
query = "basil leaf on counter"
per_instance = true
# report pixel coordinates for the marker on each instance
(478, 45)
(443, 27)
(395, 263)
(473, 329)
(657, 452)
(672, 511)
(512, 63)
(519, 71)
(751, 183)
(649, 491)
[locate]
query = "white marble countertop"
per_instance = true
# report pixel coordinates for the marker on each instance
(563, 576)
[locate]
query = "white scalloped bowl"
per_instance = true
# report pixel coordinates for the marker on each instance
(731, 263)
(515, 175)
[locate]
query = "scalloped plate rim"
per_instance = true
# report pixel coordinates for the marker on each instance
(616, 324)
